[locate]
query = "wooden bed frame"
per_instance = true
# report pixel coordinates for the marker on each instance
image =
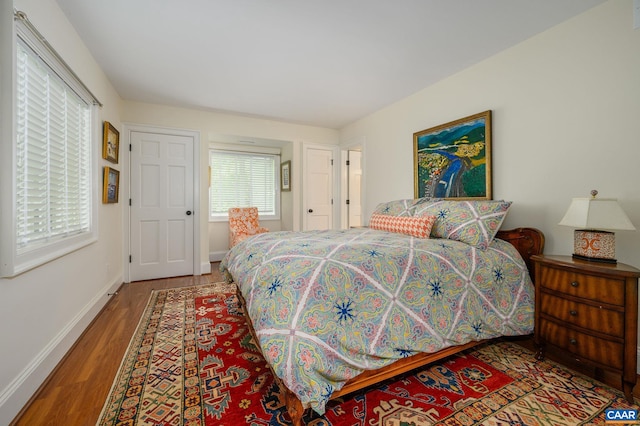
(528, 242)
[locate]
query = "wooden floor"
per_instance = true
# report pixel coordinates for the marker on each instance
(76, 391)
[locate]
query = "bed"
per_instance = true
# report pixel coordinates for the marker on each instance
(336, 311)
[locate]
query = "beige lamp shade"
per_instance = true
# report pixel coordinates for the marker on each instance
(596, 213)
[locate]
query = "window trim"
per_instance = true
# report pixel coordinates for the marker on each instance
(223, 217)
(12, 260)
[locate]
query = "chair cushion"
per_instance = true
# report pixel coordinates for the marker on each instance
(243, 222)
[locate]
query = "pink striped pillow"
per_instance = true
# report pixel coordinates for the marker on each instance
(419, 227)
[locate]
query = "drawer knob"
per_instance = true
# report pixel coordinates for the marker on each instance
(573, 341)
(574, 284)
(573, 313)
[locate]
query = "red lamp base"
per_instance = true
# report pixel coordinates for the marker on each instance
(594, 246)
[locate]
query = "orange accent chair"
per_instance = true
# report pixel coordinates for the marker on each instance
(243, 223)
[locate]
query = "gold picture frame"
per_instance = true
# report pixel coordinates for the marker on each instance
(110, 186)
(110, 143)
(285, 176)
(453, 160)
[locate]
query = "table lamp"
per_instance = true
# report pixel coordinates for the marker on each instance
(596, 217)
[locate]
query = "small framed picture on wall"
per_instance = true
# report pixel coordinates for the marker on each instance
(110, 143)
(285, 176)
(111, 184)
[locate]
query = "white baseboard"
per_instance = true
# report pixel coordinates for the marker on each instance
(217, 256)
(27, 382)
(205, 268)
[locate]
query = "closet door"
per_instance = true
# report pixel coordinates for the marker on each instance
(318, 189)
(162, 206)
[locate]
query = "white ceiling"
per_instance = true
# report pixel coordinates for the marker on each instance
(319, 62)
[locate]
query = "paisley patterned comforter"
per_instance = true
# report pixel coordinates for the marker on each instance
(327, 305)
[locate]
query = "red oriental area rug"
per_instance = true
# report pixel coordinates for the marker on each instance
(192, 362)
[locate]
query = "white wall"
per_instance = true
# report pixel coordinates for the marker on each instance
(566, 107)
(43, 311)
(215, 123)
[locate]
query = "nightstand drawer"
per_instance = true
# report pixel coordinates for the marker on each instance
(591, 348)
(605, 290)
(586, 316)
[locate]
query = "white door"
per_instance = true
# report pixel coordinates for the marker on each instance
(162, 203)
(318, 189)
(355, 188)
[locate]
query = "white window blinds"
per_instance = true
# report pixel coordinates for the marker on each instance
(242, 179)
(53, 164)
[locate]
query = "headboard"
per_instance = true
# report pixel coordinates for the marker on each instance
(528, 241)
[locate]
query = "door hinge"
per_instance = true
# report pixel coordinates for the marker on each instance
(332, 201)
(130, 259)
(130, 149)
(332, 161)
(348, 163)
(347, 201)
(130, 202)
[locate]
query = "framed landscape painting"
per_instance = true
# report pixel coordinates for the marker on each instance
(453, 160)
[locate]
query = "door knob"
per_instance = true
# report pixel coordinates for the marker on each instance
(188, 212)
(310, 210)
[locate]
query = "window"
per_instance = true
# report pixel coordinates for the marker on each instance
(54, 205)
(243, 179)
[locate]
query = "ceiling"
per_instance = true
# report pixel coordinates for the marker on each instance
(325, 63)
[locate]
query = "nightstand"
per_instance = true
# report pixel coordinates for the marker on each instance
(590, 310)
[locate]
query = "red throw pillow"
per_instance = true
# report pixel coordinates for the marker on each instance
(419, 227)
